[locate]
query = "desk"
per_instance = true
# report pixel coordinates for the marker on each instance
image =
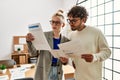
(68, 71)
(28, 73)
(20, 58)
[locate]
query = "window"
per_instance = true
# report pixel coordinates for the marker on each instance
(105, 14)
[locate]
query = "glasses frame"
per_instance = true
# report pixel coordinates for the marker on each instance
(55, 22)
(73, 21)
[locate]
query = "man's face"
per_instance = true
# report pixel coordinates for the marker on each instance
(75, 23)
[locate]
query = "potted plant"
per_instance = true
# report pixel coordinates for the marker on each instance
(2, 68)
(18, 49)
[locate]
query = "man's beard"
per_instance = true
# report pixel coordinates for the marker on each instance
(75, 28)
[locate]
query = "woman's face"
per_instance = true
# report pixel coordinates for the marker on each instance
(56, 23)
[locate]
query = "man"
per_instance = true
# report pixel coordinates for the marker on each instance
(93, 42)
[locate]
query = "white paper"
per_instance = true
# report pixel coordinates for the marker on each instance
(40, 41)
(17, 76)
(17, 70)
(62, 53)
(17, 73)
(58, 53)
(68, 49)
(18, 46)
(72, 48)
(22, 40)
(4, 77)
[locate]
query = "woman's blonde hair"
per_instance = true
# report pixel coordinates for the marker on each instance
(59, 13)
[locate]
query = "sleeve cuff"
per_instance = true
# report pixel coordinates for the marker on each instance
(94, 58)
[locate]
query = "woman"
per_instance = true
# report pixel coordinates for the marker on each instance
(48, 67)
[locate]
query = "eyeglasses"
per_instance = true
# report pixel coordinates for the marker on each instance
(55, 22)
(73, 21)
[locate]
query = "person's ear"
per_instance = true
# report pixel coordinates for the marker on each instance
(84, 20)
(63, 25)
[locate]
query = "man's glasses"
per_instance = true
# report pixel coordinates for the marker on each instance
(73, 21)
(55, 22)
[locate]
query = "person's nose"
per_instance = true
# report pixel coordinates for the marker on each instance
(71, 24)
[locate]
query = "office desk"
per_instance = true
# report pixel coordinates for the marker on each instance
(68, 72)
(28, 73)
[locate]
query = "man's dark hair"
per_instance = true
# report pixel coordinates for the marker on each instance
(78, 11)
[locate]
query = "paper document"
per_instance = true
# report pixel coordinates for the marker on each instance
(67, 49)
(40, 41)
(62, 53)
(17, 73)
(72, 49)
(4, 77)
(58, 53)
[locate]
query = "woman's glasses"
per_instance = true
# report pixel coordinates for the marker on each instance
(55, 22)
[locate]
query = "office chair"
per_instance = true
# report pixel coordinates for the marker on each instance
(9, 63)
(27, 78)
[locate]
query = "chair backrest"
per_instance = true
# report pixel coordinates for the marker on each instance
(27, 78)
(9, 63)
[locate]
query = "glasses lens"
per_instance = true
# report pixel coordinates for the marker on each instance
(73, 21)
(68, 20)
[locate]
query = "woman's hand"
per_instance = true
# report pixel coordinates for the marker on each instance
(29, 37)
(64, 60)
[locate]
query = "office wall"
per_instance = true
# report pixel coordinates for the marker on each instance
(67, 4)
(16, 15)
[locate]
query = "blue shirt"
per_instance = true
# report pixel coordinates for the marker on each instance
(55, 46)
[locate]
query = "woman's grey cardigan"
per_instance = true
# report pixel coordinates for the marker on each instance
(45, 58)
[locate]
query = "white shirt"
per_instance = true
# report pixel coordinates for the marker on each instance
(93, 42)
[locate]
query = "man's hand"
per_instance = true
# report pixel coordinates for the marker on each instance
(64, 60)
(87, 57)
(29, 37)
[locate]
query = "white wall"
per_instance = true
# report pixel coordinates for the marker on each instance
(67, 4)
(16, 15)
